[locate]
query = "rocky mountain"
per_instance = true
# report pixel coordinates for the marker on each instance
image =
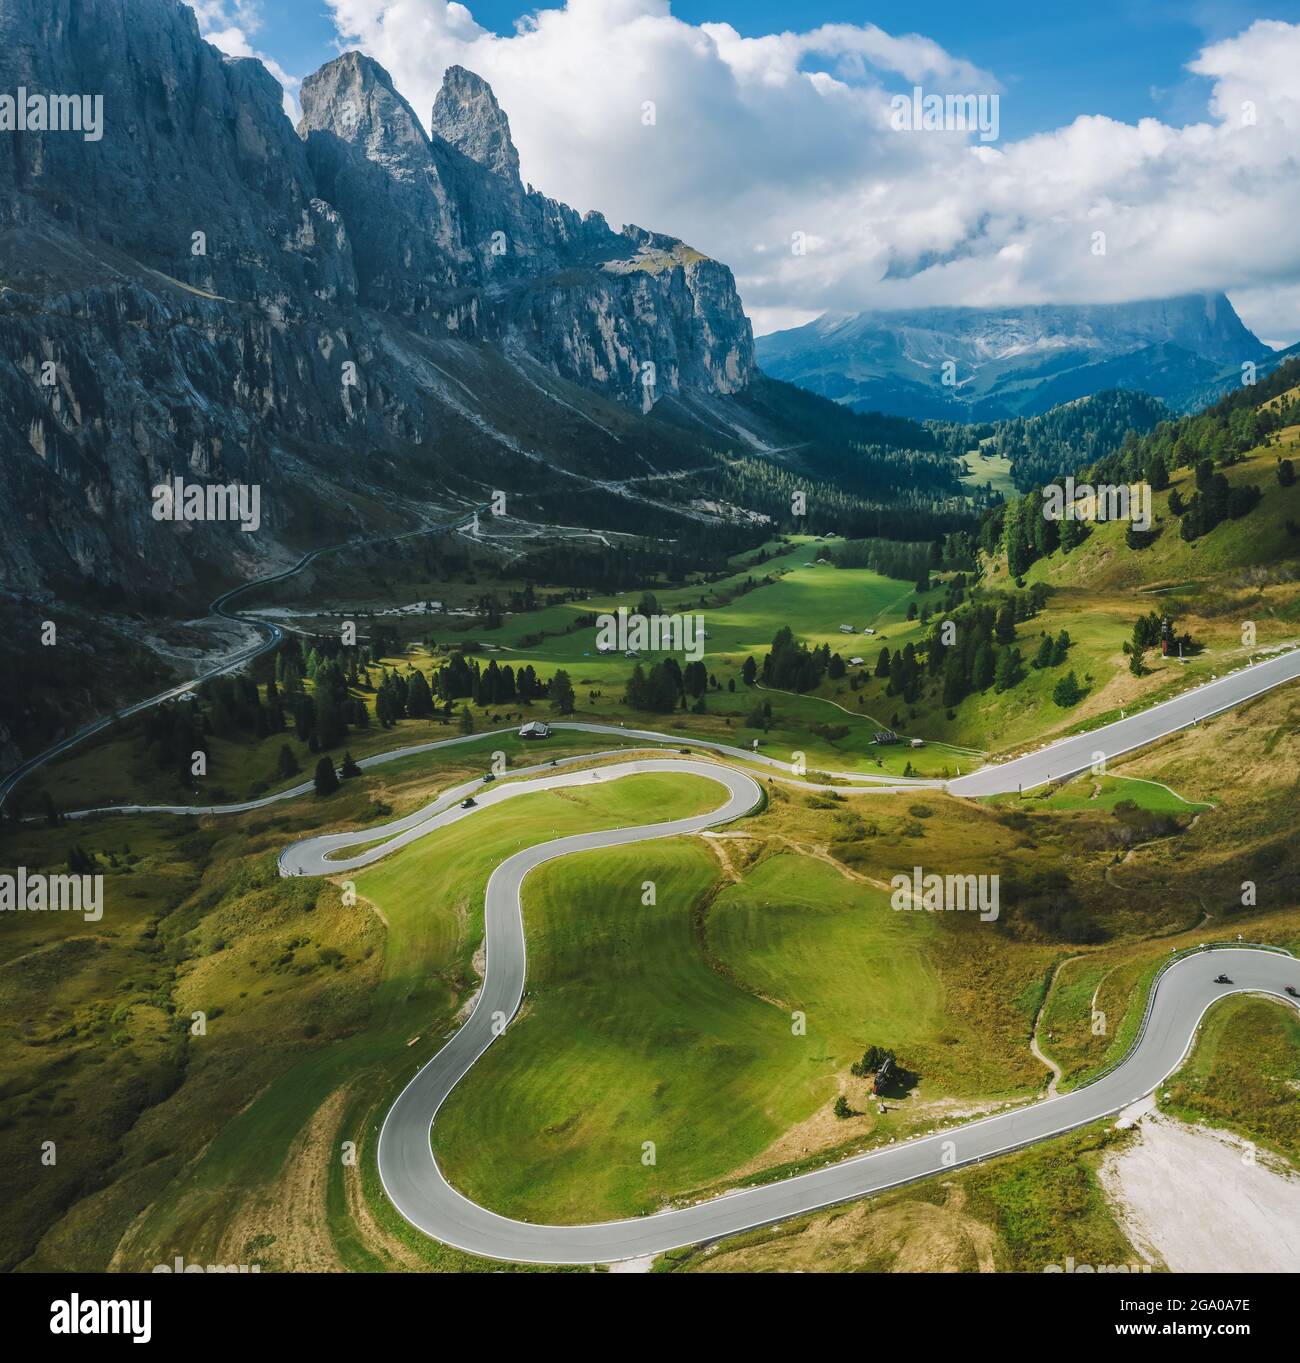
(372, 322)
(1017, 361)
(466, 116)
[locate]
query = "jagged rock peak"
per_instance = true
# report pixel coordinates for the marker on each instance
(354, 98)
(467, 115)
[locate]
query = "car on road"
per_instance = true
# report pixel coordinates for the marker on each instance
(468, 803)
(1293, 991)
(1222, 979)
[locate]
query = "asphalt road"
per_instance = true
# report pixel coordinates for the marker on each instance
(1067, 757)
(290, 865)
(1073, 755)
(319, 856)
(414, 1182)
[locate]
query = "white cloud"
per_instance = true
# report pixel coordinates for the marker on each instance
(755, 139)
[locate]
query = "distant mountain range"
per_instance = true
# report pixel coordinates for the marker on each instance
(1009, 362)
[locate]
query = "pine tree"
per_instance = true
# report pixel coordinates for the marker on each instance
(80, 863)
(1068, 691)
(562, 698)
(984, 666)
(635, 695)
(1157, 473)
(330, 725)
(1008, 669)
(325, 780)
(419, 700)
(1005, 629)
(954, 680)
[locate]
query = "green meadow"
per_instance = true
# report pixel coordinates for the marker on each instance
(1244, 1074)
(707, 1025)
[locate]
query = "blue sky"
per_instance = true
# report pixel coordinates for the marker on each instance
(1167, 129)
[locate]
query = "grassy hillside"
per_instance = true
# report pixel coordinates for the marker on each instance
(985, 469)
(1244, 1074)
(1017, 1214)
(1242, 571)
(676, 1024)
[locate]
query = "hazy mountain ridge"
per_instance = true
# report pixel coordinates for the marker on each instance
(1017, 361)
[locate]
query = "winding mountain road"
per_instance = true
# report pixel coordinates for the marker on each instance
(415, 1184)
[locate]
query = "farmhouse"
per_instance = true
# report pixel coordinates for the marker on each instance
(535, 729)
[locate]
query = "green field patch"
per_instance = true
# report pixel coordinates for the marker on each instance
(796, 931)
(1086, 792)
(628, 1037)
